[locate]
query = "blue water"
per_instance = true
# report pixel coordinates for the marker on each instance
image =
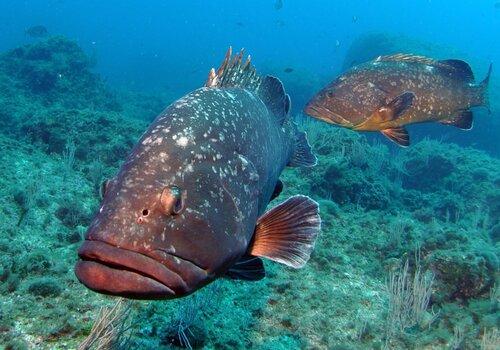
(169, 45)
(155, 43)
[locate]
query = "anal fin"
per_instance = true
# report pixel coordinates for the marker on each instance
(463, 120)
(248, 268)
(398, 135)
(287, 233)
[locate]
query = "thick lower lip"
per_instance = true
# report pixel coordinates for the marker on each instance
(317, 112)
(310, 110)
(325, 115)
(110, 270)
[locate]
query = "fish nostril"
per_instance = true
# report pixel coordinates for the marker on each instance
(145, 212)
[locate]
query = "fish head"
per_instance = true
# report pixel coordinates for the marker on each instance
(347, 101)
(325, 106)
(161, 235)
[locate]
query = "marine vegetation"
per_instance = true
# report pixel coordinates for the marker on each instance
(407, 256)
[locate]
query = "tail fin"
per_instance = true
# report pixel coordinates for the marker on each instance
(483, 90)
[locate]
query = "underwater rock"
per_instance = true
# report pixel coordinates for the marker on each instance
(462, 274)
(56, 70)
(45, 287)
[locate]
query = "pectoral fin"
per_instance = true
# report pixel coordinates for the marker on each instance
(248, 268)
(463, 120)
(397, 107)
(286, 233)
(397, 135)
(387, 112)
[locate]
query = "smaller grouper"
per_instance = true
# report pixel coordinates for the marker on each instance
(187, 206)
(393, 91)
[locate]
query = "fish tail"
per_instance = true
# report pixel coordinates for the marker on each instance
(481, 93)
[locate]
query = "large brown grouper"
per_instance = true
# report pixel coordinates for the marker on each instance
(392, 91)
(186, 207)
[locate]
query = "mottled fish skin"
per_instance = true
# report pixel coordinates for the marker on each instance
(225, 151)
(352, 98)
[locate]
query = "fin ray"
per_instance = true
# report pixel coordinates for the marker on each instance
(235, 72)
(398, 135)
(287, 233)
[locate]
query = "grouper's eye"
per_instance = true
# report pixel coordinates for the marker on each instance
(172, 200)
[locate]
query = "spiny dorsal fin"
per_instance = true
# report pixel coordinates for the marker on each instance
(455, 68)
(404, 57)
(235, 72)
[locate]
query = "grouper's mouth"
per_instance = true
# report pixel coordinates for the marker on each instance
(326, 115)
(107, 269)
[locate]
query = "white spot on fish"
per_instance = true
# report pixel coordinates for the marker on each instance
(182, 141)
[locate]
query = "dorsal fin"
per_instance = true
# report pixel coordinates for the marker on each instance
(236, 72)
(458, 69)
(272, 93)
(404, 57)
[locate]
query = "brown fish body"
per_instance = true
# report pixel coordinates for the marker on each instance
(186, 207)
(393, 91)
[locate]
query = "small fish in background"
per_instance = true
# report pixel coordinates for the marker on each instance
(278, 5)
(497, 5)
(280, 23)
(393, 91)
(188, 205)
(240, 24)
(288, 70)
(337, 43)
(37, 31)
(354, 19)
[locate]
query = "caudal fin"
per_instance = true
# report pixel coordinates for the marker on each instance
(483, 91)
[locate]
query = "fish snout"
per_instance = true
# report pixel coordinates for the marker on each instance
(113, 270)
(316, 110)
